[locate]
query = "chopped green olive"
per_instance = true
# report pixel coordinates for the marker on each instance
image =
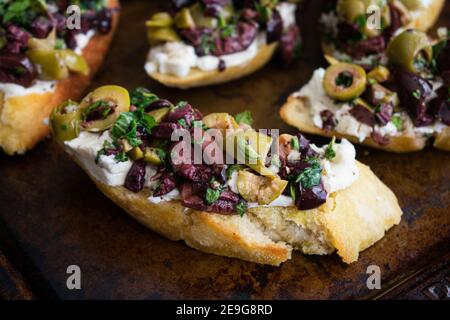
(65, 121)
(184, 20)
(157, 35)
(200, 19)
(160, 19)
(344, 81)
(152, 157)
(52, 66)
(411, 49)
(136, 153)
(74, 62)
(108, 102)
(379, 74)
(159, 114)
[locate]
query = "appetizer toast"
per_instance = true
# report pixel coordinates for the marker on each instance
(397, 107)
(278, 194)
(24, 110)
(205, 43)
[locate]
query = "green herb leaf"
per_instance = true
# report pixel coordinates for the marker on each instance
(397, 122)
(232, 168)
(244, 117)
(310, 177)
(241, 208)
(212, 195)
(95, 106)
(416, 94)
(121, 157)
(295, 145)
(330, 154)
(292, 191)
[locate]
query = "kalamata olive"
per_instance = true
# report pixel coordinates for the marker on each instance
(165, 130)
(274, 28)
(443, 59)
(135, 180)
(345, 81)
(158, 104)
(17, 68)
(379, 138)
(168, 183)
(363, 115)
(290, 43)
(328, 120)
(413, 92)
(384, 113)
(41, 27)
(310, 198)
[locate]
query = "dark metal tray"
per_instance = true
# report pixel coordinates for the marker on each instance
(52, 215)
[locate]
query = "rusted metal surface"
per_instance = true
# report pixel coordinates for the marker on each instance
(58, 218)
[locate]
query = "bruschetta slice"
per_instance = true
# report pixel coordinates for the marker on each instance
(219, 185)
(359, 31)
(203, 43)
(396, 107)
(49, 55)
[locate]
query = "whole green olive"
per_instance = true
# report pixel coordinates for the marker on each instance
(411, 49)
(65, 121)
(344, 81)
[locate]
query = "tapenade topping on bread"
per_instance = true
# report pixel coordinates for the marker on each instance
(35, 42)
(206, 36)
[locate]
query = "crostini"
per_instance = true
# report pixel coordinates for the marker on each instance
(396, 107)
(358, 31)
(48, 54)
(221, 186)
(201, 43)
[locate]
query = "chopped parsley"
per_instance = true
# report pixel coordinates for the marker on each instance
(295, 145)
(310, 177)
(416, 94)
(241, 208)
(126, 126)
(244, 117)
(106, 109)
(212, 195)
(232, 168)
(397, 122)
(292, 191)
(21, 11)
(182, 122)
(121, 157)
(329, 151)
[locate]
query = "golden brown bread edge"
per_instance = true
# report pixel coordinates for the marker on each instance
(352, 220)
(22, 118)
(198, 78)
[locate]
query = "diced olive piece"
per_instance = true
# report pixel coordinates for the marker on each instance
(345, 81)
(263, 190)
(350, 10)
(159, 114)
(136, 153)
(117, 98)
(65, 121)
(43, 44)
(202, 21)
(379, 74)
(184, 20)
(221, 121)
(251, 149)
(52, 67)
(126, 146)
(160, 19)
(152, 157)
(412, 4)
(74, 62)
(411, 49)
(157, 35)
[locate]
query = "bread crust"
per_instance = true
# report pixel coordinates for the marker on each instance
(22, 118)
(442, 140)
(352, 220)
(198, 78)
(296, 112)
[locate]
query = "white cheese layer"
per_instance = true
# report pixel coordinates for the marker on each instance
(82, 40)
(171, 196)
(85, 148)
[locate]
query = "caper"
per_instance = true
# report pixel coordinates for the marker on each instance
(345, 81)
(411, 49)
(106, 103)
(160, 19)
(52, 66)
(65, 121)
(184, 20)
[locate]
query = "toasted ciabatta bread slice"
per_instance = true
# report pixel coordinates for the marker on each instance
(22, 118)
(350, 221)
(199, 78)
(296, 112)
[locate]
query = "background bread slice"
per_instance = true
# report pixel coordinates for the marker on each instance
(296, 112)
(22, 118)
(198, 78)
(352, 220)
